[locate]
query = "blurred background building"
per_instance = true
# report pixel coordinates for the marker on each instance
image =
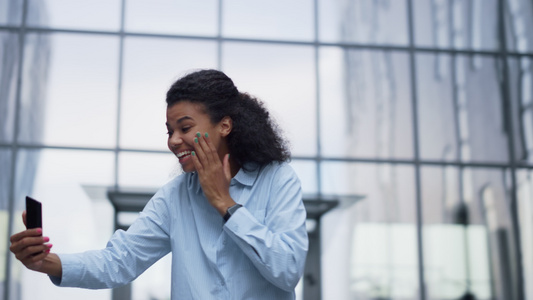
(422, 108)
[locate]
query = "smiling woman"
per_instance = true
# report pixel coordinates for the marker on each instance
(234, 221)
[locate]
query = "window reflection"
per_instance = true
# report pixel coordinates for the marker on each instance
(379, 231)
(521, 77)
(9, 66)
(151, 65)
(365, 103)
(147, 170)
(519, 19)
(10, 12)
(363, 21)
(5, 176)
(525, 204)
(76, 14)
(78, 80)
(199, 17)
(306, 171)
(456, 24)
(468, 233)
(274, 19)
(283, 78)
(460, 109)
(74, 219)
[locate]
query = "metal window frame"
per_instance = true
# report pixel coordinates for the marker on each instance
(417, 162)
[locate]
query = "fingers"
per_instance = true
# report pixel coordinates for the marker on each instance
(20, 242)
(35, 232)
(227, 168)
(24, 218)
(205, 150)
(29, 246)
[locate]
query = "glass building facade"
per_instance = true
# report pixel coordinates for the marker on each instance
(422, 109)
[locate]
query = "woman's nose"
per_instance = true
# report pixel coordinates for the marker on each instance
(175, 140)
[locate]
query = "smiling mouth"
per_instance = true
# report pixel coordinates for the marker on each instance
(183, 155)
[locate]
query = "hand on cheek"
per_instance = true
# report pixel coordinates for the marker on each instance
(214, 174)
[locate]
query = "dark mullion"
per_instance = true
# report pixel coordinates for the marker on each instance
(455, 163)
(348, 45)
(416, 164)
(119, 92)
(513, 205)
(317, 100)
(15, 148)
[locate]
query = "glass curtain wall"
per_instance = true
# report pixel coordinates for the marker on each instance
(417, 115)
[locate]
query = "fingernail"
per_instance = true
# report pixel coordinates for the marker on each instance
(193, 153)
(196, 140)
(198, 134)
(39, 231)
(46, 239)
(49, 246)
(206, 135)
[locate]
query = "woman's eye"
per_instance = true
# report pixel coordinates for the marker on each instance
(185, 129)
(170, 133)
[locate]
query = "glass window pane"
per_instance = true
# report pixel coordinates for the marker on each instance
(275, 19)
(76, 14)
(456, 24)
(75, 100)
(11, 12)
(525, 217)
(306, 171)
(460, 108)
(368, 22)
(5, 181)
(468, 238)
(437, 116)
(199, 17)
(284, 78)
(379, 230)
(521, 91)
(72, 219)
(147, 170)
(150, 67)
(365, 104)
(518, 23)
(9, 66)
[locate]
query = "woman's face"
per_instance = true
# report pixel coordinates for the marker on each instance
(184, 120)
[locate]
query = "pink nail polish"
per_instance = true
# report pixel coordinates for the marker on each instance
(49, 246)
(46, 239)
(39, 230)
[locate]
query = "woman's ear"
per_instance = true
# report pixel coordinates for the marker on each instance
(225, 126)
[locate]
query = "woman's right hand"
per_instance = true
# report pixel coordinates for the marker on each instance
(30, 247)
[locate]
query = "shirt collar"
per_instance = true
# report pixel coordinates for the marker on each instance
(245, 177)
(247, 174)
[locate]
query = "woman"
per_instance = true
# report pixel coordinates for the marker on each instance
(234, 221)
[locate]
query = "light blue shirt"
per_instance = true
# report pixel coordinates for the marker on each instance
(258, 254)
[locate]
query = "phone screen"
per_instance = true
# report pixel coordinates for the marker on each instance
(34, 218)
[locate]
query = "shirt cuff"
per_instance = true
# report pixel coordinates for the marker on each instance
(69, 266)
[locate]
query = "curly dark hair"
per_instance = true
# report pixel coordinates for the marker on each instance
(255, 137)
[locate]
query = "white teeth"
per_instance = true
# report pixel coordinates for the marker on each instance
(183, 153)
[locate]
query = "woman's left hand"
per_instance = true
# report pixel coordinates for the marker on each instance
(214, 174)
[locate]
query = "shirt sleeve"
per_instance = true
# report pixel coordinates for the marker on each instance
(278, 246)
(127, 254)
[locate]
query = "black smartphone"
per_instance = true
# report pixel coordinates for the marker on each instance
(34, 215)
